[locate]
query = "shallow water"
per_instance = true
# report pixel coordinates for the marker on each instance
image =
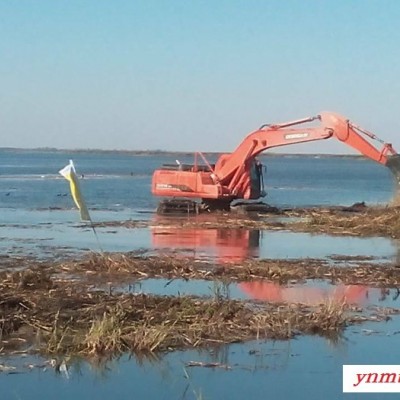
(46, 239)
(310, 292)
(237, 244)
(309, 367)
(35, 205)
(120, 181)
(37, 217)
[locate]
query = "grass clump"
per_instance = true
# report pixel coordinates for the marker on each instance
(62, 313)
(74, 320)
(105, 333)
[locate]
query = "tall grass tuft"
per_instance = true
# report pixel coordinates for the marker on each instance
(105, 334)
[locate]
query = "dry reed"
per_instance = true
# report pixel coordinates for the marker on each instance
(58, 318)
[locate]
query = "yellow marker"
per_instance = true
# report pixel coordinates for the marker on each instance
(69, 173)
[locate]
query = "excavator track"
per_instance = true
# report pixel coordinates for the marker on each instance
(254, 208)
(178, 207)
(190, 207)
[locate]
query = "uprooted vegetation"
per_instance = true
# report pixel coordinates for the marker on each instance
(120, 266)
(57, 308)
(356, 220)
(377, 221)
(46, 314)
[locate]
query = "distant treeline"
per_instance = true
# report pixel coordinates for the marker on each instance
(164, 153)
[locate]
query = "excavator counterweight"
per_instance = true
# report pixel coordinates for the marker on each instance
(239, 175)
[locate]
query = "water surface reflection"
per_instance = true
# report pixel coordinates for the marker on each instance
(224, 245)
(236, 244)
(310, 292)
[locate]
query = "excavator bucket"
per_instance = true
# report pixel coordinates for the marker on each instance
(393, 163)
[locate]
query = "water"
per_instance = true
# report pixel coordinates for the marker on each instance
(238, 244)
(37, 217)
(312, 292)
(308, 368)
(120, 181)
(35, 203)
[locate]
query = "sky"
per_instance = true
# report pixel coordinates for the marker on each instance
(193, 75)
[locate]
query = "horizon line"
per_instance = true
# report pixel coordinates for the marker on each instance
(157, 151)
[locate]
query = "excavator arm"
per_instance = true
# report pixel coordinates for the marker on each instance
(230, 168)
(235, 175)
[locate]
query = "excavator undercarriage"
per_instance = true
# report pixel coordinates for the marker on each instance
(187, 206)
(178, 207)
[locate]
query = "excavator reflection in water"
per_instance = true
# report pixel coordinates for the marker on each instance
(320, 292)
(234, 245)
(275, 292)
(223, 245)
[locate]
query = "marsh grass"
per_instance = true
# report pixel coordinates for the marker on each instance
(96, 268)
(357, 220)
(377, 221)
(220, 290)
(55, 309)
(74, 320)
(105, 334)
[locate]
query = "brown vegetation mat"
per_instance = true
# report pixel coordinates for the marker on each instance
(55, 307)
(42, 313)
(379, 221)
(96, 267)
(354, 220)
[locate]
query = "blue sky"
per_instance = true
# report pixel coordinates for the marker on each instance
(193, 75)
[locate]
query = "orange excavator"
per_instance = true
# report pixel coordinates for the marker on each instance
(239, 175)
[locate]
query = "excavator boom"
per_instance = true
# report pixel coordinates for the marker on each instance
(238, 175)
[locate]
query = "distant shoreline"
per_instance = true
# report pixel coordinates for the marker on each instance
(163, 152)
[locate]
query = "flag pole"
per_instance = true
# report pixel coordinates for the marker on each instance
(69, 173)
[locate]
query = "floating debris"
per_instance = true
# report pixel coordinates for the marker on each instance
(121, 265)
(53, 316)
(358, 219)
(207, 365)
(59, 309)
